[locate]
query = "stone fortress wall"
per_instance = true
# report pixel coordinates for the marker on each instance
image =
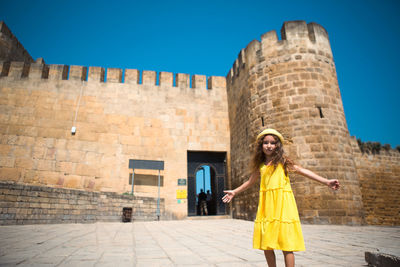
(288, 84)
(10, 47)
(33, 204)
(379, 174)
(291, 85)
(115, 122)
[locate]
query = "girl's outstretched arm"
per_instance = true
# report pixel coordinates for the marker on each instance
(332, 183)
(230, 194)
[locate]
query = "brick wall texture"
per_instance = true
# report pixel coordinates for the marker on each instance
(11, 48)
(115, 122)
(291, 85)
(380, 185)
(27, 204)
(287, 84)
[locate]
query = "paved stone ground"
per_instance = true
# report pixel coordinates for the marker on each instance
(222, 242)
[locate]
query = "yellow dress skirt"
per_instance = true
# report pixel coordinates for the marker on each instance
(277, 225)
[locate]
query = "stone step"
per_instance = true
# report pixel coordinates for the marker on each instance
(209, 217)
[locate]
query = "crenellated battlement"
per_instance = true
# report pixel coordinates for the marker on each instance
(11, 48)
(298, 38)
(78, 127)
(16, 70)
(291, 85)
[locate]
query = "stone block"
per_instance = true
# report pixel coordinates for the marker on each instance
(9, 174)
(182, 80)
(7, 162)
(58, 72)
(5, 149)
(75, 156)
(73, 181)
(149, 77)
(4, 68)
(318, 34)
(216, 82)
(46, 165)
(49, 177)
(114, 75)
(131, 76)
(166, 79)
(78, 73)
(18, 70)
(294, 30)
(38, 71)
(96, 74)
(268, 39)
(250, 54)
(199, 81)
(65, 167)
(85, 170)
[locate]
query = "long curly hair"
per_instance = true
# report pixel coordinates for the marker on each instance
(278, 156)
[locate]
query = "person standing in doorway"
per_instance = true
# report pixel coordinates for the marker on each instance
(277, 224)
(208, 199)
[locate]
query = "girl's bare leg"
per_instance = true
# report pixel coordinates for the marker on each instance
(270, 257)
(289, 258)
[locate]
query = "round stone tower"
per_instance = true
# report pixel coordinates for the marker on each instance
(291, 85)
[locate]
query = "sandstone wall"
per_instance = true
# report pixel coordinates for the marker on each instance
(380, 184)
(148, 116)
(287, 84)
(291, 85)
(239, 90)
(10, 47)
(27, 204)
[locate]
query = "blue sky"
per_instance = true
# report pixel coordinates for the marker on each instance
(203, 179)
(205, 37)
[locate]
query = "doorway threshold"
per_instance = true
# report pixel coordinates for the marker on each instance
(209, 217)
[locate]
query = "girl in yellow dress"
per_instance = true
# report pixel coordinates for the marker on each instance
(277, 224)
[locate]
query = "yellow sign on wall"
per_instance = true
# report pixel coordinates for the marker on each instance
(181, 194)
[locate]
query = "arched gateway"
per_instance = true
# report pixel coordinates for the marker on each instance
(217, 163)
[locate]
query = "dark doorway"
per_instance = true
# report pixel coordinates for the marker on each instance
(207, 172)
(205, 184)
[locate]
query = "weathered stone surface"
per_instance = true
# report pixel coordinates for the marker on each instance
(269, 91)
(49, 205)
(287, 84)
(379, 175)
(117, 118)
(209, 242)
(11, 49)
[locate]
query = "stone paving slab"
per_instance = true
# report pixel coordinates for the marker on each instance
(222, 242)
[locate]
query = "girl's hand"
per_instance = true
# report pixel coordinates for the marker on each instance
(334, 184)
(230, 194)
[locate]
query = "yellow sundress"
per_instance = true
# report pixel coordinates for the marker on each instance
(277, 225)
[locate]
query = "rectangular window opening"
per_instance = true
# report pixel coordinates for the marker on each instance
(321, 115)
